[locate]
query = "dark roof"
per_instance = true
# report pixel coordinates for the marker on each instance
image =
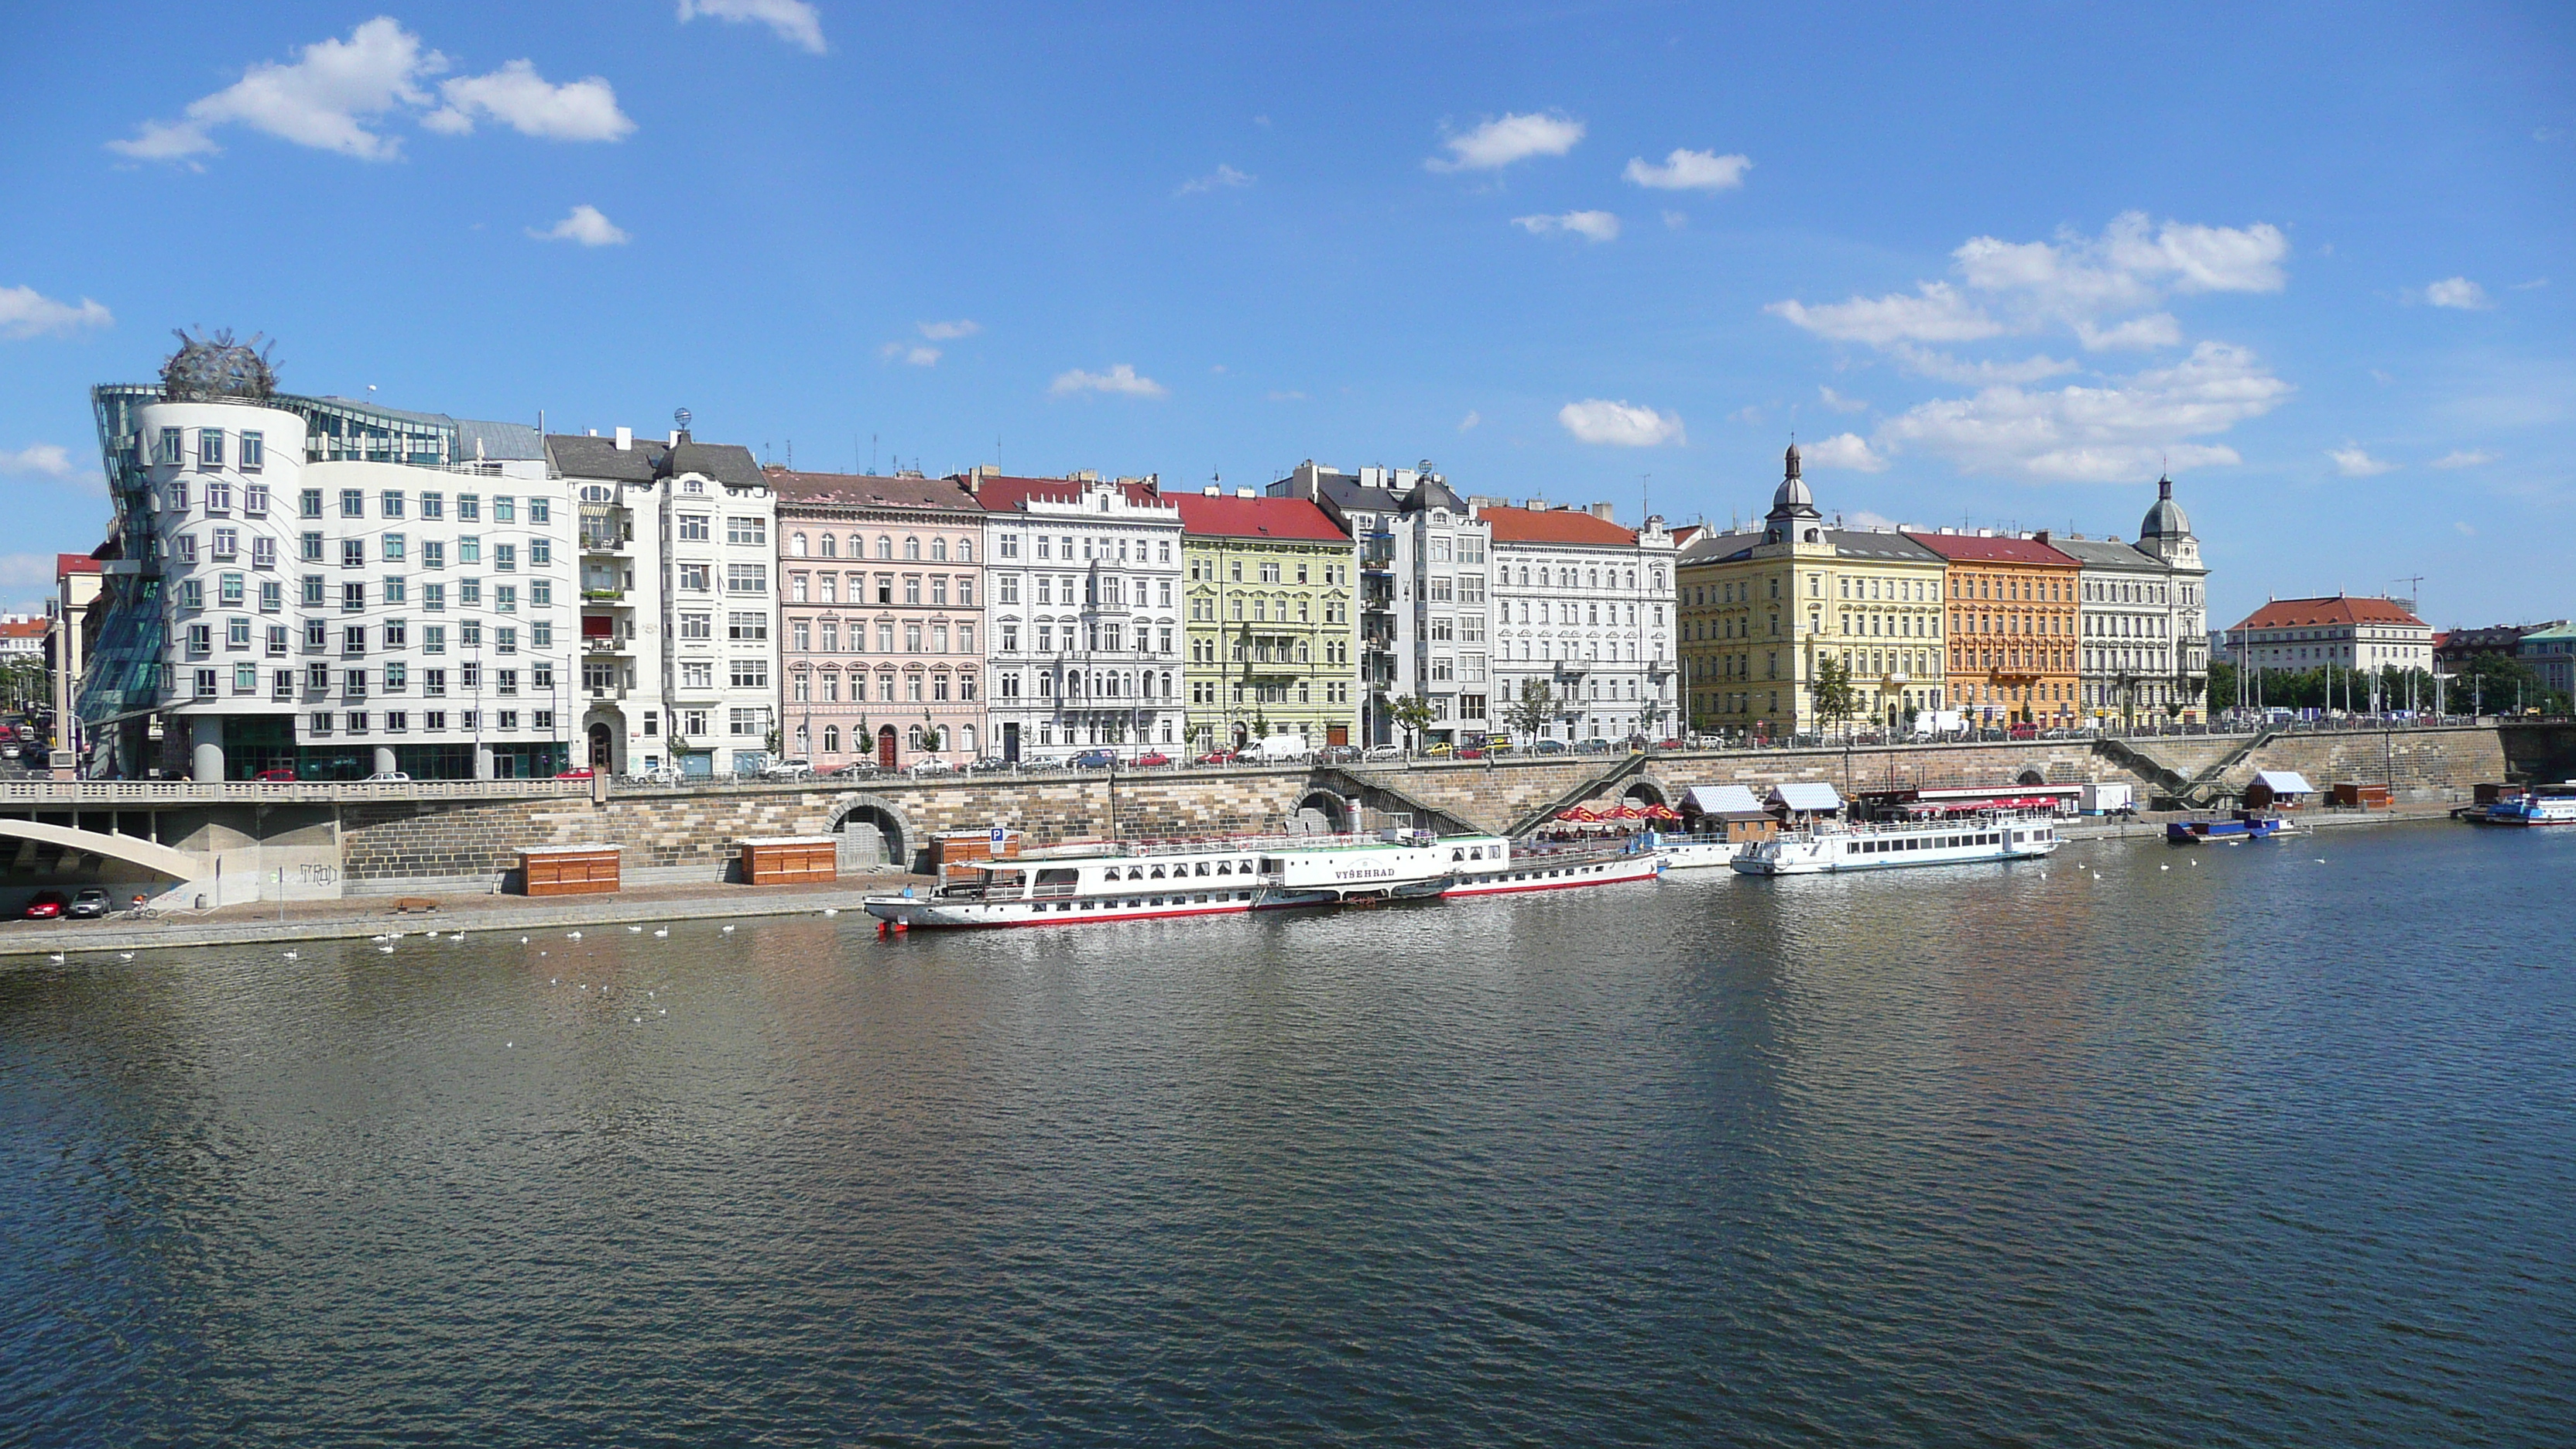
(1857, 543)
(2106, 553)
(1716, 547)
(1226, 516)
(1969, 548)
(649, 461)
(868, 490)
(1561, 526)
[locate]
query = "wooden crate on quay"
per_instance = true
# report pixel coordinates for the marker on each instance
(568, 870)
(2358, 797)
(791, 860)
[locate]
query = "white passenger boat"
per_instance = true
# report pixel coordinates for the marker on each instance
(1080, 885)
(1880, 847)
(1552, 871)
(1695, 852)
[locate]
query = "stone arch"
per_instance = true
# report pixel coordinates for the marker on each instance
(901, 836)
(1335, 810)
(2031, 777)
(1642, 791)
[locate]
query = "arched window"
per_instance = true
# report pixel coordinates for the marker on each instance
(965, 550)
(831, 739)
(939, 550)
(912, 548)
(913, 737)
(885, 546)
(796, 545)
(804, 740)
(831, 546)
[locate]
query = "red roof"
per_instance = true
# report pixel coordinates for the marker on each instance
(1967, 548)
(31, 629)
(74, 563)
(1010, 495)
(1229, 516)
(1554, 525)
(2326, 613)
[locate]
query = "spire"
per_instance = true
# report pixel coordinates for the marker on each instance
(1793, 508)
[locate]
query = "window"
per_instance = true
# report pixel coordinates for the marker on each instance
(433, 597)
(389, 504)
(433, 682)
(745, 723)
(433, 554)
(541, 592)
(693, 577)
(746, 626)
(746, 578)
(693, 528)
(353, 553)
(272, 596)
(750, 674)
(263, 552)
(397, 677)
(505, 510)
(697, 626)
(353, 598)
(469, 593)
(505, 681)
(505, 598)
(353, 503)
(754, 530)
(505, 639)
(469, 549)
(469, 634)
(541, 552)
(541, 636)
(505, 556)
(433, 505)
(228, 589)
(697, 674)
(469, 508)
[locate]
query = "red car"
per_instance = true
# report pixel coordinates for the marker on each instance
(1152, 760)
(2025, 731)
(46, 906)
(282, 775)
(577, 772)
(1215, 757)
(1470, 752)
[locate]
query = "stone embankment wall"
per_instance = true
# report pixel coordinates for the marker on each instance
(695, 833)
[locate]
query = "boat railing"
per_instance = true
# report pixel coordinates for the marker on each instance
(1222, 844)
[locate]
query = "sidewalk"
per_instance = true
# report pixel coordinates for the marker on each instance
(362, 916)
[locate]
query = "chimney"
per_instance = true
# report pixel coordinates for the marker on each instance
(626, 440)
(1602, 511)
(1213, 491)
(1245, 493)
(2042, 535)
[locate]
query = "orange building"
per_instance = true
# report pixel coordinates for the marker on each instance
(2013, 642)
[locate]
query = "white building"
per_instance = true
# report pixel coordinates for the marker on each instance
(2144, 617)
(679, 623)
(324, 585)
(1085, 626)
(2347, 632)
(1584, 608)
(1425, 617)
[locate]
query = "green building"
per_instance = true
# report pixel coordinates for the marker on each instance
(1272, 593)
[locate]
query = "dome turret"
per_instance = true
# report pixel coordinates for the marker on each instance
(2165, 520)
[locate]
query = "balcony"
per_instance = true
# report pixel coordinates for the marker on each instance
(1570, 668)
(591, 594)
(606, 693)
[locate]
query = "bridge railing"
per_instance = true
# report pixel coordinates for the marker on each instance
(144, 793)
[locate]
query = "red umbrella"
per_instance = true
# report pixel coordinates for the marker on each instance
(1627, 811)
(1662, 812)
(1580, 815)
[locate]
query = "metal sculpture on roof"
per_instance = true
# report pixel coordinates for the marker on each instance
(213, 369)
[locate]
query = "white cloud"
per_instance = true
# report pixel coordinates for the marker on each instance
(2459, 292)
(793, 21)
(1690, 171)
(1470, 420)
(586, 226)
(25, 312)
(1620, 424)
(2120, 433)
(27, 571)
(50, 459)
(1863, 518)
(1937, 313)
(1120, 379)
(1497, 144)
(2200, 258)
(1598, 226)
(325, 98)
(2464, 529)
(1222, 176)
(1840, 403)
(1675, 221)
(2353, 461)
(2156, 329)
(1843, 450)
(2465, 458)
(2534, 285)
(519, 98)
(949, 331)
(913, 354)
(1984, 372)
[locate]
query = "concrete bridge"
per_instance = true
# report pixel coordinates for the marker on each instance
(241, 842)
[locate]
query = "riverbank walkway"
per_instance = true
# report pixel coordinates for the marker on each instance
(367, 916)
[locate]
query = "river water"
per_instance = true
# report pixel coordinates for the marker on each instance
(2270, 1144)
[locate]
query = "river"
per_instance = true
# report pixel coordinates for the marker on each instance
(2265, 1144)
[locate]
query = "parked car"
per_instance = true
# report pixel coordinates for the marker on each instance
(1215, 757)
(1593, 746)
(1550, 747)
(854, 770)
(990, 765)
(1153, 760)
(1385, 752)
(787, 770)
(89, 903)
(2025, 731)
(929, 765)
(281, 775)
(1669, 745)
(1339, 754)
(1095, 760)
(45, 906)
(577, 772)
(1042, 762)
(1437, 749)
(389, 777)
(1471, 752)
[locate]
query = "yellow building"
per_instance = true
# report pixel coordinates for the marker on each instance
(1271, 594)
(1758, 610)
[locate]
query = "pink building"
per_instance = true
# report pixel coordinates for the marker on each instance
(881, 619)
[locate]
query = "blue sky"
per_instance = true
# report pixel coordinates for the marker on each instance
(1989, 267)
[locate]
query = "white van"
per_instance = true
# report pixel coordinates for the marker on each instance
(1276, 748)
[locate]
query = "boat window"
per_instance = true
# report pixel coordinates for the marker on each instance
(1203, 867)
(1158, 872)
(1243, 867)
(1221, 868)
(1457, 855)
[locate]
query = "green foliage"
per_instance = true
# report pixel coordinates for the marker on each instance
(1831, 691)
(1533, 711)
(1412, 714)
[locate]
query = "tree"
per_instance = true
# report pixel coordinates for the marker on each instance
(1835, 699)
(1411, 714)
(1529, 714)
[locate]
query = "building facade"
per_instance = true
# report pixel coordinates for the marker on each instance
(2346, 632)
(1583, 633)
(1085, 622)
(1426, 611)
(324, 585)
(2012, 616)
(2551, 652)
(78, 590)
(881, 618)
(1759, 610)
(2142, 616)
(678, 614)
(1271, 607)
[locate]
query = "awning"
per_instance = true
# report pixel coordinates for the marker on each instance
(1719, 799)
(2284, 782)
(1809, 796)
